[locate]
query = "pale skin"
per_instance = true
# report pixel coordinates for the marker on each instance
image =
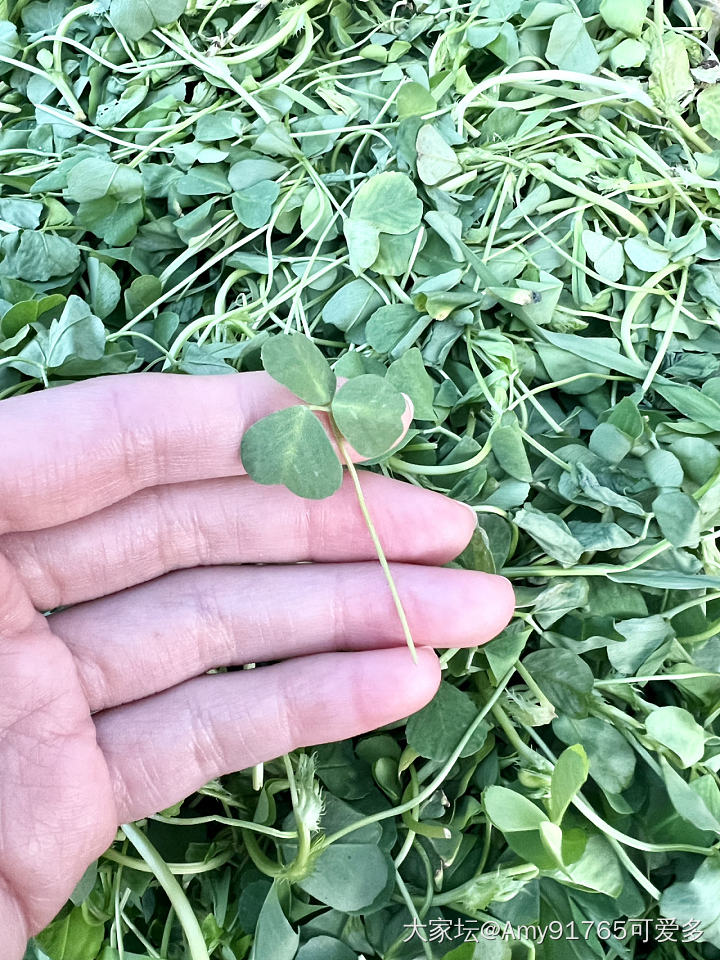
(123, 501)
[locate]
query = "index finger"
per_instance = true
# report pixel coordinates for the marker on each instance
(71, 451)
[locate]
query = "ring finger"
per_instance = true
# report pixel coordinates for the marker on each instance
(146, 639)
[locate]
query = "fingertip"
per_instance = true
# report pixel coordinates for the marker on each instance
(403, 684)
(429, 674)
(508, 593)
(468, 522)
(502, 607)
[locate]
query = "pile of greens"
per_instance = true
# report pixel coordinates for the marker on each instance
(507, 210)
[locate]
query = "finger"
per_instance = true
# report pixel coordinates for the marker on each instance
(163, 748)
(230, 520)
(73, 450)
(149, 638)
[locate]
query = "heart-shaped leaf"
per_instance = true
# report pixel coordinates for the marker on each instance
(368, 411)
(253, 205)
(295, 362)
(389, 202)
(290, 447)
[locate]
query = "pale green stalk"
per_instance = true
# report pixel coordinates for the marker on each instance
(186, 917)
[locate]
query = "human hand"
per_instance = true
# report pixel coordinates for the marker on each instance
(122, 500)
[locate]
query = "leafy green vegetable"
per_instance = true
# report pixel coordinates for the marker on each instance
(507, 212)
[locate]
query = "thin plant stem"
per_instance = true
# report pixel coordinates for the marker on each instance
(186, 917)
(376, 541)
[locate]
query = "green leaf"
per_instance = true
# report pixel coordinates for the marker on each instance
(679, 518)
(605, 253)
(28, 311)
(670, 78)
(248, 173)
(564, 678)
(625, 15)
(568, 776)
(253, 205)
(408, 374)
(708, 108)
(611, 758)
(21, 213)
(275, 939)
(389, 202)
(436, 160)
(601, 536)
(77, 333)
(316, 216)
(570, 46)
(506, 45)
(34, 256)
(413, 100)
(142, 293)
(610, 443)
(363, 242)
(203, 181)
(552, 533)
(627, 418)
(134, 18)
(104, 287)
(506, 648)
(9, 44)
(509, 449)
(291, 448)
(72, 938)
(687, 803)
(295, 362)
(353, 872)
(646, 254)
(368, 411)
(390, 325)
(510, 812)
(551, 837)
(325, 948)
(643, 636)
(435, 731)
(676, 729)
(112, 221)
(696, 902)
(663, 468)
(348, 876)
(112, 113)
(691, 403)
(351, 306)
(627, 55)
(699, 458)
(97, 177)
(597, 870)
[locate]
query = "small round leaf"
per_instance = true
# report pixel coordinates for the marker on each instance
(368, 411)
(290, 447)
(388, 201)
(295, 362)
